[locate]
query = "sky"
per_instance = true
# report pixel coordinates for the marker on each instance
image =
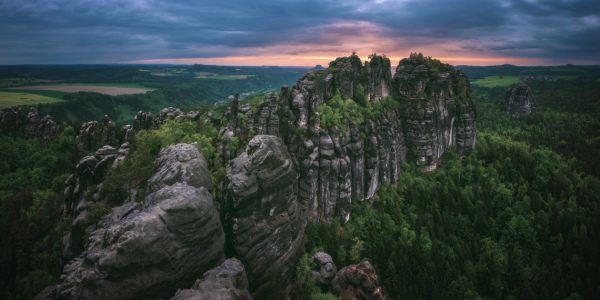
(298, 32)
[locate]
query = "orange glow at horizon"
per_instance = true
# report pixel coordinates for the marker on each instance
(311, 61)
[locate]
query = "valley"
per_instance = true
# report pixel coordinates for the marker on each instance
(406, 180)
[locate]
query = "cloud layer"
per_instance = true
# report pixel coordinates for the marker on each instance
(298, 32)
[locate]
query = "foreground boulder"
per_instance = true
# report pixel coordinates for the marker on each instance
(227, 281)
(357, 282)
(149, 249)
(264, 219)
(520, 100)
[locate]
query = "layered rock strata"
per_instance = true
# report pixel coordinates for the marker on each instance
(431, 112)
(520, 100)
(263, 218)
(149, 249)
(94, 135)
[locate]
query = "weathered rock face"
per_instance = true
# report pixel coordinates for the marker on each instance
(109, 133)
(225, 282)
(431, 112)
(94, 135)
(169, 113)
(326, 269)
(520, 100)
(263, 218)
(149, 249)
(12, 120)
(357, 282)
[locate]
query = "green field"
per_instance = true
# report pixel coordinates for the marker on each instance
(220, 78)
(10, 82)
(119, 85)
(28, 97)
(494, 81)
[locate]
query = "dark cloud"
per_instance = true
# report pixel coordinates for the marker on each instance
(78, 31)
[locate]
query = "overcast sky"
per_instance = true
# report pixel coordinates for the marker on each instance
(307, 32)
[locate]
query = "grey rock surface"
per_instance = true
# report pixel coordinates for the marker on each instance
(326, 269)
(431, 113)
(520, 100)
(149, 249)
(225, 282)
(263, 219)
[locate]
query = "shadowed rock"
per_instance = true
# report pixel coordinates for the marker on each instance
(326, 269)
(225, 282)
(263, 217)
(149, 249)
(520, 100)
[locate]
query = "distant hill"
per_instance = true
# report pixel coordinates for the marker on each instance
(476, 72)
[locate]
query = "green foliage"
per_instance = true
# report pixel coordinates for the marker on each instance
(504, 222)
(136, 169)
(338, 112)
(96, 212)
(433, 63)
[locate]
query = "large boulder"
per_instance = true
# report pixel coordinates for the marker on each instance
(225, 282)
(326, 269)
(520, 100)
(357, 282)
(264, 219)
(150, 249)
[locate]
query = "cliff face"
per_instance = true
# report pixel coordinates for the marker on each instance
(520, 100)
(430, 113)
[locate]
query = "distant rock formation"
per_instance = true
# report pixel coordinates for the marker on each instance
(357, 282)
(263, 218)
(225, 282)
(94, 135)
(431, 112)
(520, 100)
(145, 250)
(13, 120)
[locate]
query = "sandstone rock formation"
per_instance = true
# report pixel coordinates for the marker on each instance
(520, 100)
(263, 218)
(149, 249)
(13, 120)
(225, 282)
(431, 112)
(357, 282)
(326, 269)
(94, 135)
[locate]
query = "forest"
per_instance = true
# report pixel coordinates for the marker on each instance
(182, 90)
(518, 218)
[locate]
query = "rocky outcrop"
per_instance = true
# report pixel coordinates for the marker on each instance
(326, 270)
(89, 136)
(520, 100)
(169, 113)
(357, 282)
(13, 120)
(94, 135)
(263, 218)
(149, 249)
(225, 282)
(431, 112)
(109, 133)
